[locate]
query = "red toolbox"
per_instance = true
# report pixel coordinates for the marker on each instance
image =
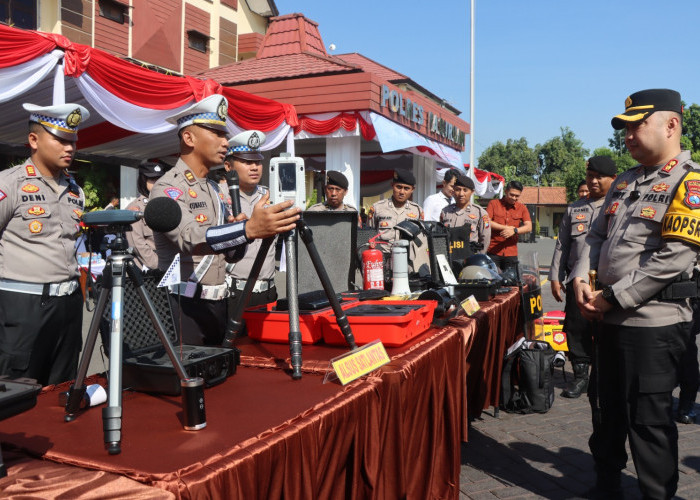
(266, 324)
(394, 322)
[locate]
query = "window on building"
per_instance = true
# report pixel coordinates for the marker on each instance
(198, 41)
(113, 11)
(19, 13)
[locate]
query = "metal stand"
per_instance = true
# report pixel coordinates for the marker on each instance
(235, 325)
(119, 264)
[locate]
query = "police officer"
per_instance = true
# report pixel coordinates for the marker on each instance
(385, 214)
(140, 237)
(336, 189)
(644, 242)
(199, 302)
(465, 213)
(245, 158)
(600, 174)
(40, 205)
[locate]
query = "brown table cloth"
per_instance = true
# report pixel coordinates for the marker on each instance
(392, 434)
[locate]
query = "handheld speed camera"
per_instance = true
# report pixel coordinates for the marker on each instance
(287, 180)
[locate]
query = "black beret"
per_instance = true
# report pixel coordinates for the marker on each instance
(335, 178)
(151, 169)
(464, 181)
(404, 177)
(640, 105)
(603, 165)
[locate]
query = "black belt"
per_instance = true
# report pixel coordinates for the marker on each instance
(683, 287)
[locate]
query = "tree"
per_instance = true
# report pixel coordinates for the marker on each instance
(564, 161)
(617, 142)
(514, 160)
(691, 126)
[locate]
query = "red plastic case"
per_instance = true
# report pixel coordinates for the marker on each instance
(392, 330)
(267, 325)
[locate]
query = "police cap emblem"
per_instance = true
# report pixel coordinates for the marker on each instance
(222, 110)
(254, 141)
(74, 118)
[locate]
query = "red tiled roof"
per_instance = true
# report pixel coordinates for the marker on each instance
(543, 196)
(291, 48)
(288, 66)
(370, 66)
(291, 34)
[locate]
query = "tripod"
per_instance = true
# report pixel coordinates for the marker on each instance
(235, 324)
(120, 264)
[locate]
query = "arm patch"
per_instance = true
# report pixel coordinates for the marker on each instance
(682, 219)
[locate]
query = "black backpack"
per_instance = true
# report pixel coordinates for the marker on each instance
(527, 383)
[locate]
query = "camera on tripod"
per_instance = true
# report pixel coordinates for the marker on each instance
(287, 180)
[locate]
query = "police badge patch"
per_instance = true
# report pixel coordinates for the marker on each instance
(692, 196)
(648, 212)
(254, 141)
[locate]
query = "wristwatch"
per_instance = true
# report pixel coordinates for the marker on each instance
(609, 296)
(515, 230)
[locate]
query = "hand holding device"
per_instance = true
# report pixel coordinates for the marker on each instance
(271, 220)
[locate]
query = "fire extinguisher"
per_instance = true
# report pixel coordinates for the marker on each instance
(372, 267)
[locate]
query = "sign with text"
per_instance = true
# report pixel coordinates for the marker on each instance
(359, 362)
(470, 305)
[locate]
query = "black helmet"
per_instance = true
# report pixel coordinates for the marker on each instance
(479, 259)
(510, 277)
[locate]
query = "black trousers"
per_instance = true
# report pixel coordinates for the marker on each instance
(638, 370)
(578, 330)
(504, 263)
(40, 337)
(199, 321)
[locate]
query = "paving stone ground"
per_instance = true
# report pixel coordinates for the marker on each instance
(546, 455)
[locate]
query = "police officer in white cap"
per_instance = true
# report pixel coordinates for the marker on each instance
(199, 301)
(245, 158)
(40, 206)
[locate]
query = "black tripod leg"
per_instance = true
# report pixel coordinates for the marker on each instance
(77, 389)
(235, 323)
(340, 317)
(192, 389)
(293, 301)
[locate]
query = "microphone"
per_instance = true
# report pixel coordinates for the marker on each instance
(161, 214)
(234, 191)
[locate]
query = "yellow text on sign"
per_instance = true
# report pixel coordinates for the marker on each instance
(360, 362)
(535, 304)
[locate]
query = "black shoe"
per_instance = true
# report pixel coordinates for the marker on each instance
(686, 417)
(580, 382)
(608, 487)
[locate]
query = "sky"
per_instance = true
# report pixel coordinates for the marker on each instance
(540, 65)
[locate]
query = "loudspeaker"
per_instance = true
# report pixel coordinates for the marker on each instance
(335, 238)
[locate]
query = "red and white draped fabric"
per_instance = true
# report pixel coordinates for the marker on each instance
(129, 100)
(372, 126)
(487, 184)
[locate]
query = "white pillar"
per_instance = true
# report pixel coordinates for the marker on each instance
(426, 178)
(128, 177)
(343, 155)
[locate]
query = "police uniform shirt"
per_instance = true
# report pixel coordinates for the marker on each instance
(200, 201)
(384, 215)
(241, 269)
(324, 207)
(140, 238)
(475, 216)
(573, 230)
(626, 246)
(38, 225)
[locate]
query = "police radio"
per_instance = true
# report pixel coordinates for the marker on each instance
(287, 180)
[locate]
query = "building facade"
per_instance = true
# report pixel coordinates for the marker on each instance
(172, 36)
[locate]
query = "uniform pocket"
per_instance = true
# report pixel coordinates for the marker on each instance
(654, 400)
(644, 227)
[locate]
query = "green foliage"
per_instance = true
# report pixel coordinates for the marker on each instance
(95, 181)
(564, 158)
(514, 160)
(691, 126)
(617, 142)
